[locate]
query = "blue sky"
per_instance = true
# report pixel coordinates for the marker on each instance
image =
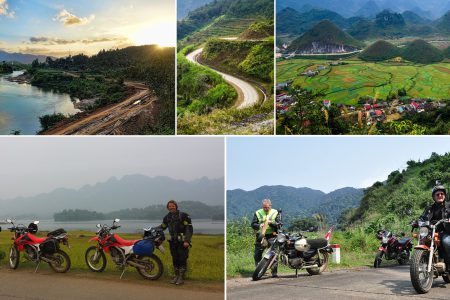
(323, 163)
(61, 27)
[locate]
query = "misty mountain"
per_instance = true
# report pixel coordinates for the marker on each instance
(294, 202)
(368, 10)
(20, 57)
(186, 6)
(131, 191)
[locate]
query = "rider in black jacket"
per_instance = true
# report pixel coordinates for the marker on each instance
(180, 230)
(439, 210)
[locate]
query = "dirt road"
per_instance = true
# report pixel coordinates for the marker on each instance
(107, 120)
(24, 284)
(391, 282)
(247, 94)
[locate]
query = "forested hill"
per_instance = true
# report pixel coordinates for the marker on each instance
(403, 196)
(150, 63)
(242, 9)
(294, 202)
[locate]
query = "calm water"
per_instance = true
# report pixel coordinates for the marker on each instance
(128, 226)
(21, 105)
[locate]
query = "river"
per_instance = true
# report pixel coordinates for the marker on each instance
(203, 226)
(21, 105)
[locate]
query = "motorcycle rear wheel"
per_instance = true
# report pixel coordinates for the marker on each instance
(95, 259)
(323, 267)
(153, 267)
(378, 259)
(14, 258)
(261, 269)
(420, 278)
(60, 262)
(446, 278)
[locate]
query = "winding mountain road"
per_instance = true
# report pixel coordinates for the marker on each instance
(247, 93)
(390, 282)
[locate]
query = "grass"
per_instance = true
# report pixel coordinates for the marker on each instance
(205, 263)
(346, 83)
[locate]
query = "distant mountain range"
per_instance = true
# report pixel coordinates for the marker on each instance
(430, 9)
(20, 57)
(294, 202)
(131, 191)
(186, 6)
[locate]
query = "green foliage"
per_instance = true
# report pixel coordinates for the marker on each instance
(259, 62)
(48, 121)
(78, 215)
(420, 51)
(259, 30)
(303, 224)
(379, 51)
(6, 68)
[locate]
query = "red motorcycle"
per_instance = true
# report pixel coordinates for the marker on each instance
(134, 253)
(392, 248)
(36, 249)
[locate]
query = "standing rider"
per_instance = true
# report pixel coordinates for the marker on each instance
(270, 219)
(180, 230)
(439, 210)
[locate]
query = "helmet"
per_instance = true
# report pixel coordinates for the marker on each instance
(32, 228)
(438, 187)
(301, 245)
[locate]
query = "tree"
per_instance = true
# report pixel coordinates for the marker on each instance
(35, 64)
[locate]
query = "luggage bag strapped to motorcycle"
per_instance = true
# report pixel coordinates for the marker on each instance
(49, 246)
(56, 232)
(143, 247)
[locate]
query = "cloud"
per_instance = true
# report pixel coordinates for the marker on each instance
(56, 41)
(4, 9)
(69, 19)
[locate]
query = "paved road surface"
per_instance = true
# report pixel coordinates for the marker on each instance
(247, 94)
(24, 284)
(391, 282)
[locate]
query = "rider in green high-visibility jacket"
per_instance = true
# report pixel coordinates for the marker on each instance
(267, 213)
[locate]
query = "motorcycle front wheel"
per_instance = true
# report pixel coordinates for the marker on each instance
(14, 257)
(421, 279)
(60, 262)
(152, 267)
(378, 259)
(95, 259)
(261, 269)
(323, 255)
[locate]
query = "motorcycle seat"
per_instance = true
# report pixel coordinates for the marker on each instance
(35, 239)
(124, 242)
(317, 243)
(404, 240)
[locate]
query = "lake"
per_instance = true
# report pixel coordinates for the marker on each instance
(21, 105)
(127, 226)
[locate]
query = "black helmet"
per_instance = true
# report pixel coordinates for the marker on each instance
(32, 228)
(438, 187)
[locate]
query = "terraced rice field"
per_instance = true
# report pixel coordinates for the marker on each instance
(346, 83)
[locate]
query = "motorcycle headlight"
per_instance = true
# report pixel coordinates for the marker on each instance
(281, 238)
(423, 232)
(384, 240)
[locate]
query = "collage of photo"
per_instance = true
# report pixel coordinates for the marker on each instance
(224, 149)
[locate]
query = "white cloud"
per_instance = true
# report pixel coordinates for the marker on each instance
(4, 9)
(69, 19)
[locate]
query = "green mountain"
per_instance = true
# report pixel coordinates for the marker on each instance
(324, 37)
(447, 52)
(379, 51)
(258, 30)
(420, 51)
(413, 18)
(387, 19)
(443, 24)
(403, 196)
(293, 23)
(224, 12)
(294, 202)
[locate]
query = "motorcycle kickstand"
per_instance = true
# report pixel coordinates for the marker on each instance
(37, 267)
(296, 273)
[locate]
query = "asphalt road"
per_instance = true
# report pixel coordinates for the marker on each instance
(27, 285)
(247, 94)
(391, 282)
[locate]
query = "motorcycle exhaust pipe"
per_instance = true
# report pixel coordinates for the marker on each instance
(135, 264)
(312, 266)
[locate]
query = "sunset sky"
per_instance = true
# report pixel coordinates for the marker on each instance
(60, 28)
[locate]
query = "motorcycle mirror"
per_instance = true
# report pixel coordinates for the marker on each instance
(0, 229)
(98, 225)
(116, 220)
(36, 222)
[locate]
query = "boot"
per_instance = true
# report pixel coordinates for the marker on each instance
(180, 279)
(177, 274)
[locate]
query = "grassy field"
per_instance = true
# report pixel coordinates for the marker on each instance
(346, 83)
(205, 263)
(357, 250)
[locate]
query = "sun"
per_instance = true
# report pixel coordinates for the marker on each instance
(161, 33)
